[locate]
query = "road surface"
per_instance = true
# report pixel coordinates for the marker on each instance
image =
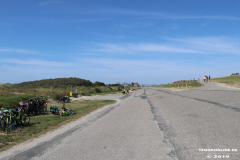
(149, 124)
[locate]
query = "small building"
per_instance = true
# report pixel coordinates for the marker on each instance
(135, 84)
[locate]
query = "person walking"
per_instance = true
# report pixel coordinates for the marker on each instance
(204, 79)
(76, 92)
(209, 78)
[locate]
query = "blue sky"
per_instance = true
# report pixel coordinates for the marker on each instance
(149, 42)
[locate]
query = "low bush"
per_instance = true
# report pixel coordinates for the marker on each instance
(97, 90)
(55, 96)
(75, 95)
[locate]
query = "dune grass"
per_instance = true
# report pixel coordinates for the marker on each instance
(82, 90)
(229, 80)
(12, 99)
(184, 85)
(44, 123)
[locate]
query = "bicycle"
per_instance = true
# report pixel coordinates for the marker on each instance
(12, 120)
(7, 122)
(21, 118)
(37, 106)
(2, 124)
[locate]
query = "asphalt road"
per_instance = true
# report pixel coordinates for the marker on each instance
(158, 124)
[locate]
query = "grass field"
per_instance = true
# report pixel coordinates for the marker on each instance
(82, 90)
(229, 80)
(44, 123)
(184, 85)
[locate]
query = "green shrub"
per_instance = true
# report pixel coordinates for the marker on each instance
(98, 83)
(97, 90)
(75, 95)
(55, 96)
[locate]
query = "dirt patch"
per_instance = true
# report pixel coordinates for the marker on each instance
(3, 134)
(229, 85)
(18, 93)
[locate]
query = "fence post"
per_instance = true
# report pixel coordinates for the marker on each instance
(182, 85)
(178, 85)
(186, 84)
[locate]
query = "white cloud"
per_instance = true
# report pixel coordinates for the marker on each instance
(36, 62)
(136, 24)
(162, 48)
(211, 45)
(107, 47)
(150, 14)
(142, 47)
(48, 2)
(4, 50)
(75, 20)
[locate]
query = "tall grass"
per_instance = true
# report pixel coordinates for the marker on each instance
(231, 80)
(82, 90)
(190, 84)
(12, 99)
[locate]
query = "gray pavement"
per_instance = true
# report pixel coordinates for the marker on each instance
(158, 124)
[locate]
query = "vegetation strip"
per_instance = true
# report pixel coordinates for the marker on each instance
(44, 123)
(233, 81)
(184, 85)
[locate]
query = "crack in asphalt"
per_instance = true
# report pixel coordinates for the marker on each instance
(124, 97)
(206, 101)
(168, 131)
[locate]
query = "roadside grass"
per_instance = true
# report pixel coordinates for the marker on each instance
(43, 123)
(82, 90)
(184, 85)
(229, 80)
(12, 99)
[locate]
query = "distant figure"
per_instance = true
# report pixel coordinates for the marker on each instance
(198, 79)
(124, 91)
(76, 91)
(127, 91)
(209, 78)
(204, 78)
